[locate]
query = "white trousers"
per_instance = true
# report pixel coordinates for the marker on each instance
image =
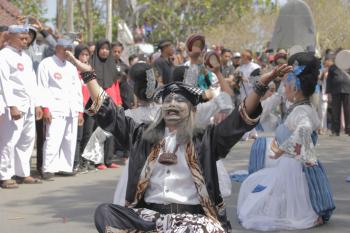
(16, 144)
(59, 147)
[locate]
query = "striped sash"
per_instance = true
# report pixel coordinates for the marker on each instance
(320, 192)
(257, 155)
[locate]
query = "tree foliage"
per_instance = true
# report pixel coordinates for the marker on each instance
(178, 18)
(331, 20)
(31, 7)
(251, 29)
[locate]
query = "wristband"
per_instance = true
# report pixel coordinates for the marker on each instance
(88, 76)
(260, 89)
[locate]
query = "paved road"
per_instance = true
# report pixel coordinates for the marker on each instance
(66, 205)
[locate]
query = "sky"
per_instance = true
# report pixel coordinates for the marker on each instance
(51, 10)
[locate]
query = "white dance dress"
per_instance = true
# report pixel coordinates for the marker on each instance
(277, 197)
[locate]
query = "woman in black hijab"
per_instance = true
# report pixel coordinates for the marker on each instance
(103, 63)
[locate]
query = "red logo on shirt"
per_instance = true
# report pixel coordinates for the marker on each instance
(57, 76)
(20, 66)
(297, 148)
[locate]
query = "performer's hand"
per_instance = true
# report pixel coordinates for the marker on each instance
(38, 113)
(309, 164)
(70, 57)
(15, 113)
(81, 66)
(47, 117)
(208, 94)
(36, 23)
(278, 71)
(275, 149)
(80, 120)
(21, 19)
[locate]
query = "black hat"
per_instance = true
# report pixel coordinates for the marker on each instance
(144, 78)
(163, 43)
(192, 94)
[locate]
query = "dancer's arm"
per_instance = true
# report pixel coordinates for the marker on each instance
(109, 117)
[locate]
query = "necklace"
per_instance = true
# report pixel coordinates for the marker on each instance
(168, 158)
(301, 102)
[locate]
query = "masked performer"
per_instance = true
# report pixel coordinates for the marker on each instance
(147, 112)
(175, 182)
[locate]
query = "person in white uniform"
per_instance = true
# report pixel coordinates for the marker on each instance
(17, 123)
(59, 81)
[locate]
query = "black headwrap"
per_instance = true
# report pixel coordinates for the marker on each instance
(179, 73)
(78, 49)
(106, 71)
(306, 68)
(144, 80)
(192, 94)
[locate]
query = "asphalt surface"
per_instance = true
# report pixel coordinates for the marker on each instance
(67, 204)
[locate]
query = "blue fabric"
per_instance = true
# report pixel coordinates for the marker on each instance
(258, 188)
(238, 178)
(317, 88)
(348, 179)
(282, 134)
(257, 155)
(314, 137)
(259, 127)
(319, 190)
(201, 83)
(67, 43)
(18, 29)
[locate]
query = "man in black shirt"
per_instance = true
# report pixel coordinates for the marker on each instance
(338, 86)
(164, 64)
(126, 92)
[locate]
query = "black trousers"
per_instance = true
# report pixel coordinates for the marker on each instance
(40, 139)
(339, 100)
(110, 215)
(88, 128)
(77, 157)
(109, 149)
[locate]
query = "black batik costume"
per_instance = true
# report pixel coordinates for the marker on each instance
(201, 155)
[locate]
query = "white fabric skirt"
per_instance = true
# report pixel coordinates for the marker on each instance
(276, 198)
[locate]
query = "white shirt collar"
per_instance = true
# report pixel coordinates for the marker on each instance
(58, 60)
(19, 51)
(168, 133)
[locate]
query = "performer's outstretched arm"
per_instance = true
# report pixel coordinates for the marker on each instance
(109, 117)
(245, 117)
(253, 99)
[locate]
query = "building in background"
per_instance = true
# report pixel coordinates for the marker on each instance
(8, 13)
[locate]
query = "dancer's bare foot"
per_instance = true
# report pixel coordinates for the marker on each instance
(319, 221)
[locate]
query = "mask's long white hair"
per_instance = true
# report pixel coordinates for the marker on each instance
(185, 129)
